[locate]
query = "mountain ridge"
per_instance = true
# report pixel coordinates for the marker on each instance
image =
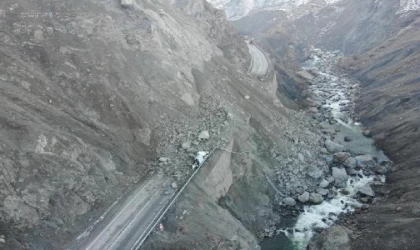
(295, 8)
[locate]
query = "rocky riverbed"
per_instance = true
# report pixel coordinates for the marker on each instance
(339, 178)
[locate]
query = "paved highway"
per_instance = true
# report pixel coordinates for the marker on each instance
(129, 224)
(259, 61)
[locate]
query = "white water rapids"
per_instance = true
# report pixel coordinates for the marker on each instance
(326, 214)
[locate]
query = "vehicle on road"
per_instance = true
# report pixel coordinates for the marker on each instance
(200, 159)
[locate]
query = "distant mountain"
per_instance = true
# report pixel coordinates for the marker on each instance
(409, 5)
(237, 9)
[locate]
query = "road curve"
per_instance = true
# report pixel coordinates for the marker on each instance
(129, 225)
(259, 61)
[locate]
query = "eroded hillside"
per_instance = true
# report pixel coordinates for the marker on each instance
(98, 96)
(93, 93)
(381, 41)
(389, 106)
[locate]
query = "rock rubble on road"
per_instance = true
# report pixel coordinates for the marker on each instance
(204, 135)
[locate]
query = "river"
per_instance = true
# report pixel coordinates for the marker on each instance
(335, 93)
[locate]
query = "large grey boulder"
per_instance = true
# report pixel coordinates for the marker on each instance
(324, 183)
(315, 172)
(334, 238)
(316, 198)
(350, 162)
(366, 190)
(333, 147)
(289, 201)
(339, 174)
(305, 75)
(367, 133)
(127, 3)
(340, 184)
(364, 161)
(163, 159)
(304, 197)
(186, 145)
(205, 135)
(341, 157)
(322, 191)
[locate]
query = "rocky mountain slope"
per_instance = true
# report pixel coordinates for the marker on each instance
(93, 93)
(381, 40)
(238, 9)
(389, 106)
(349, 26)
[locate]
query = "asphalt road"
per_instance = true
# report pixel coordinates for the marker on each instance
(130, 222)
(259, 61)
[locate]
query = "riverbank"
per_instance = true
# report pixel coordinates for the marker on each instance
(356, 168)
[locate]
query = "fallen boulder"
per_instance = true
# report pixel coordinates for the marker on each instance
(339, 174)
(341, 157)
(305, 75)
(366, 190)
(127, 3)
(367, 133)
(333, 147)
(186, 145)
(364, 161)
(347, 139)
(205, 135)
(304, 197)
(316, 198)
(289, 201)
(163, 159)
(350, 162)
(315, 172)
(324, 183)
(322, 191)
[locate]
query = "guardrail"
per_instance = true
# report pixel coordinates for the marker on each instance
(163, 211)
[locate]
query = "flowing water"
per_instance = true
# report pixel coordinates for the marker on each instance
(322, 216)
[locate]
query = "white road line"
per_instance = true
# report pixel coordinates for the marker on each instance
(122, 210)
(146, 231)
(136, 245)
(135, 217)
